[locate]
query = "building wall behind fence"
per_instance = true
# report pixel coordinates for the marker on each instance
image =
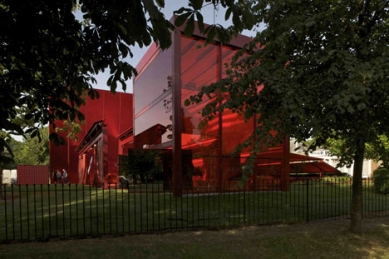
(115, 110)
(41, 212)
(33, 174)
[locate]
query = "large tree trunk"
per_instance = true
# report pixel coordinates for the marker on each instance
(356, 203)
(1, 184)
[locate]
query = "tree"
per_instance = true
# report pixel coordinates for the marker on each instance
(48, 57)
(32, 151)
(322, 71)
(377, 150)
(6, 157)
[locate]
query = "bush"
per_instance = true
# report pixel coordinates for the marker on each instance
(341, 179)
(381, 180)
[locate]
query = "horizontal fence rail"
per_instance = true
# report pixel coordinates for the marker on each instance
(42, 212)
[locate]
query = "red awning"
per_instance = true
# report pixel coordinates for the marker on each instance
(271, 161)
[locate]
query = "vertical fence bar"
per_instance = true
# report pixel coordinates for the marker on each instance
(49, 208)
(129, 209)
(122, 209)
(110, 209)
(34, 201)
(158, 205)
(70, 210)
(103, 209)
(220, 195)
(141, 207)
(244, 206)
(90, 209)
(42, 214)
(337, 196)
(20, 213)
(56, 210)
(13, 212)
(97, 202)
(307, 201)
(135, 209)
(63, 211)
(83, 210)
(6, 213)
(174, 200)
(187, 206)
(116, 210)
(77, 205)
(28, 212)
(147, 206)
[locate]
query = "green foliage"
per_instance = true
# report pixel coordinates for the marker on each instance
(238, 11)
(379, 150)
(381, 180)
(322, 70)
(32, 151)
(144, 164)
(344, 178)
(49, 57)
(6, 154)
(72, 128)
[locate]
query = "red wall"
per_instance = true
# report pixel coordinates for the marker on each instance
(116, 111)
(33, 174)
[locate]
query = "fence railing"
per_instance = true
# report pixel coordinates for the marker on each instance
(42, 212)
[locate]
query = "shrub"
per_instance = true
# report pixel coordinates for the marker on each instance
(381, 180)
(341, 179)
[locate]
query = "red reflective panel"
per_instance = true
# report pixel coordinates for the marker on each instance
(199, 67)
(152, 82)
(153, 102)
(235, 131)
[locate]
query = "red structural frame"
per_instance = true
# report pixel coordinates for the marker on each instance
(115, 112)
(162, 121)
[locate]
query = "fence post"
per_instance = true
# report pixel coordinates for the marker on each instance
(307, 205)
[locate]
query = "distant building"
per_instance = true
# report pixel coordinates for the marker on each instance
(368, 165)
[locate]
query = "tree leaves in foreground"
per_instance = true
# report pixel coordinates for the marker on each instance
(49, 57)
(322, 68)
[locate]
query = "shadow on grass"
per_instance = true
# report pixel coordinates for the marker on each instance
(318, 239)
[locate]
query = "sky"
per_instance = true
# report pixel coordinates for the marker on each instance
(210, 16)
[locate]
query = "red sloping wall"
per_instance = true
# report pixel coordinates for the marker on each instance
(116, 111)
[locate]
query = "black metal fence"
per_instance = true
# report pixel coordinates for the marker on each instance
(42, 212)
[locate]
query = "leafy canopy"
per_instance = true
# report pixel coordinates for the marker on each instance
(48, 58)
(322, 71)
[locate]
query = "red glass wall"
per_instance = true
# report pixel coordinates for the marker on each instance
(200, 66)
(210, 147)
(153, 102)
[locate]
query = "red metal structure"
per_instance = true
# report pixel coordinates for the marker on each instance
(111, 113)
(162, 121)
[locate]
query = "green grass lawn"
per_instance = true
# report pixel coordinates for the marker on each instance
(44, 212)
(317, 239)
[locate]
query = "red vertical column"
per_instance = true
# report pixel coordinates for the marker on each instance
(220, 124)
(285, 165)
(177, 118)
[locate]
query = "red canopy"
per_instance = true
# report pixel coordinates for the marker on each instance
(271, 161)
